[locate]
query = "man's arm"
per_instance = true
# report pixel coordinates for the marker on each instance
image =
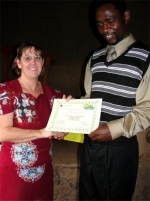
(137, 120)
(88, 80)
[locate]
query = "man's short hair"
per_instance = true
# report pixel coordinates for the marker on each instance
(121, 5)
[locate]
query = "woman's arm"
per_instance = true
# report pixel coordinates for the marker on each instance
(17, 135)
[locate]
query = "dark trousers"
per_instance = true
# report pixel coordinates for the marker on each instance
(108, 171)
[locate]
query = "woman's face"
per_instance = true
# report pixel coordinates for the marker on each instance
(30, 63)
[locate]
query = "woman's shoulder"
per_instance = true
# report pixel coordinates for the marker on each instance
(5, 86)
(9, 89)
(7, 97)
(8, 85)
(48, 90)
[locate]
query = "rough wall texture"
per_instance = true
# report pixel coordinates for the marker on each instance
(67, 167)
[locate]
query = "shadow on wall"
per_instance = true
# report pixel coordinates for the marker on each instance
(92, 23)
(102, 42)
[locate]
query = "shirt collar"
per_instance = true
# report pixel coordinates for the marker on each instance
(123, 45)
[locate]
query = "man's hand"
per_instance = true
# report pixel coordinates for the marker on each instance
(102, 133)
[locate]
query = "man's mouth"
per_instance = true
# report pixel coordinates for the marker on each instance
(108, 36)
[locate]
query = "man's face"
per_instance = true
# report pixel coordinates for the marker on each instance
(111, 24)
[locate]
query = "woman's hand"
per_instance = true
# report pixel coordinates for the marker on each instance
(52, 134)
(67, 98)
(59, 135)
(46, 134)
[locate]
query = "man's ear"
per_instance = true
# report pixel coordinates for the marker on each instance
(126, 16)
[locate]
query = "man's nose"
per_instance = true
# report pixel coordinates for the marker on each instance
(105, 27)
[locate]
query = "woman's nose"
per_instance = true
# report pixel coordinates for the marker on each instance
(33, 60)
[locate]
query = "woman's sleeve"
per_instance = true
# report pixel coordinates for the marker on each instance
(57, 93)
(6, 99)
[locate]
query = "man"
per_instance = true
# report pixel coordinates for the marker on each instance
(109, 160)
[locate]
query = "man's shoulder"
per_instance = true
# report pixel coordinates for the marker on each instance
(100, 49)
(141, 45)
(99, 52)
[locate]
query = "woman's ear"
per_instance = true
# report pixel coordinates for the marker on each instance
(126, 16)
(18, 63)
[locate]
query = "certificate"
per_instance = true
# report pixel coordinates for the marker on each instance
(75, 115)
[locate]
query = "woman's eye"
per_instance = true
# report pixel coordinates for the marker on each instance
(27, 58)
(38, 58)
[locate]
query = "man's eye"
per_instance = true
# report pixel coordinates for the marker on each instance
(99, 25)
(110, 21)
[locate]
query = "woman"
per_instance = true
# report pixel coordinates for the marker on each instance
(26, 171)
